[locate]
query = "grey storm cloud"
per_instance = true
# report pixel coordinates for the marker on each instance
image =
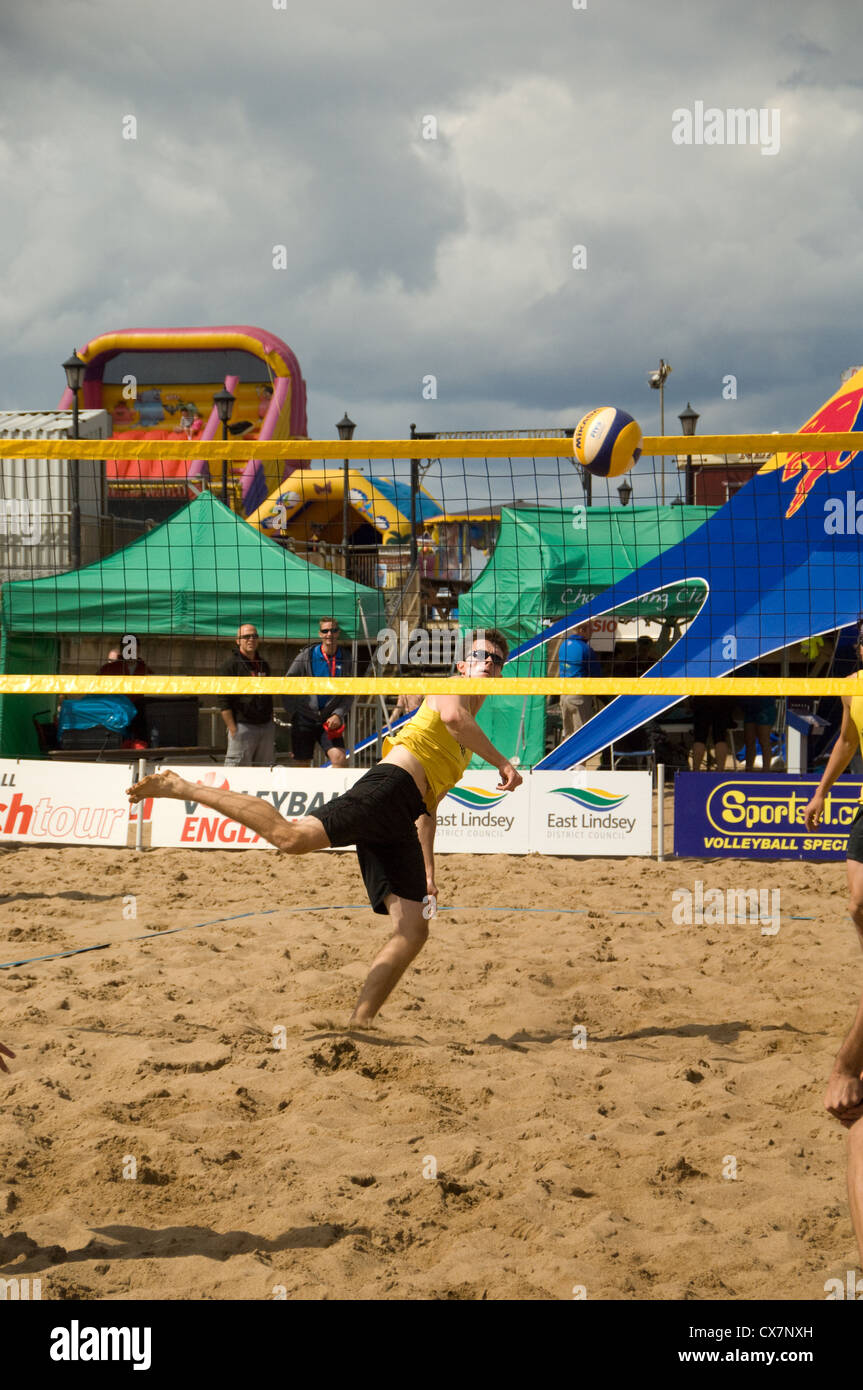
(407, 256)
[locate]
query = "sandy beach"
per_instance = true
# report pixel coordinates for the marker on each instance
(470, 1147)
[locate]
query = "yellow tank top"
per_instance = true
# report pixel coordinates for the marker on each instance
(857, 713)
(444, 761)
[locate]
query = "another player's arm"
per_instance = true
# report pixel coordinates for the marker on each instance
(457, 712)
(844, 1097)
(426, 827)
(846, 746)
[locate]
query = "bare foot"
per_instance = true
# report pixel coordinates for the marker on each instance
(157, 784)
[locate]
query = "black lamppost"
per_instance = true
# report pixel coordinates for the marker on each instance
(657, 379)
(75, 370)
(346, 429)
(585, 475)
(224, 402)
(624, 492)
(688, 420)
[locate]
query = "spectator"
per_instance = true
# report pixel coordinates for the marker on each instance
(320, 718)
(711, 720)
(406, 704)
(576, 657)
(130, 664)
(427, 555)
(759, 717)
(248, 718)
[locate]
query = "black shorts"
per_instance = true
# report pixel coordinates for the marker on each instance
(378, 815)
(306, 731)
(855, 838)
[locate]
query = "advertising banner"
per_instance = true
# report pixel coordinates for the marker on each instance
(759, 816)
(64, 803)
(550, 813)
(584, 812)
(476, 818)
(293, 791)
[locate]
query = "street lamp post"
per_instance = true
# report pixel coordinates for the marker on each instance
(688, 420)
(75, 370)
(345, 427)
(657, 379)
(224, 402)
(585, 475)
(624, 492)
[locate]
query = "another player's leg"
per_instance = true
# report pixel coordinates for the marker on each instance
(410, 933)
(764, 732)
(855, 1181)
(855, 892)
(292, 837)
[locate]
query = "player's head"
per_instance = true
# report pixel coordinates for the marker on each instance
(485, 651)
(248, 638)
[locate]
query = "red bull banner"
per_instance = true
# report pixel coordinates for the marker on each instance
(781, 562)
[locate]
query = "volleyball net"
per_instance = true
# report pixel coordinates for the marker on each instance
(733, 569)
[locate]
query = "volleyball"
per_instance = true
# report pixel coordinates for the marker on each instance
(607, 441)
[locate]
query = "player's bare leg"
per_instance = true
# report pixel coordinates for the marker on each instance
(410, 934)
(855, 892)
(855, 1181)
(292, 837)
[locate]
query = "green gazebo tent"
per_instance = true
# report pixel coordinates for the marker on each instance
(547, 562)
(201, 573)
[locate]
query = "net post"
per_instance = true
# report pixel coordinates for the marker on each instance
(139, 823)
(660, 811)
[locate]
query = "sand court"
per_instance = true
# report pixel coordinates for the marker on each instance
(582, 1095)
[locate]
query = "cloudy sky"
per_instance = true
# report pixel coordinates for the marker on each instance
(452, 257)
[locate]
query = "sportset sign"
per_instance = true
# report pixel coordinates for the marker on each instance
(760, 817)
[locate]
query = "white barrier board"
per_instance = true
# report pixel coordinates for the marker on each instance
(64, 803)
(602, 813)
(293, 791)
(476, 818)
(590, 813)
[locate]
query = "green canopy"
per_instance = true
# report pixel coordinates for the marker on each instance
(201, 573)
(549, 561)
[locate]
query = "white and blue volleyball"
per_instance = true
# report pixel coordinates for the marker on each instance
(607, 441)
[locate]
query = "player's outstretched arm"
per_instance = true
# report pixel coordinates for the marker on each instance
(426, 827)
(846, 746)
(845, 1089)
(455, 711)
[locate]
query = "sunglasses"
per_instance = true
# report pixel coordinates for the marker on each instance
(478, 655)
(248, 637)
(328, 631)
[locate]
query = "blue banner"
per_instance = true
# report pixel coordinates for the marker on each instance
(759, 816)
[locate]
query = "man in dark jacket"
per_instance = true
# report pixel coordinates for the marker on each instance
(248, 718)
(320, 718)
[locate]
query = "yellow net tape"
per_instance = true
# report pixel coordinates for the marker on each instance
(416, 685)
(239, 449)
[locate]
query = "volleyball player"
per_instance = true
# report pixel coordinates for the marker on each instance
(390, 814)
(844, 1097)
